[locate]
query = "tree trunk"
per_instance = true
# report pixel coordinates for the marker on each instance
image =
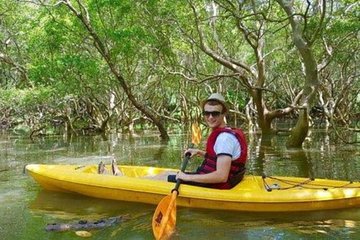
(300, 131)
(262, 112)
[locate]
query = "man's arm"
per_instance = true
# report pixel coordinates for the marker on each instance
(221, 174)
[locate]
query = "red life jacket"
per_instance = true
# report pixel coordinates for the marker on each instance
(237, 168)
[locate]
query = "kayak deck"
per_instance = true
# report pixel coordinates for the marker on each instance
(253, 193)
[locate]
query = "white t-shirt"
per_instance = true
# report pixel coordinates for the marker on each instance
(227, 143)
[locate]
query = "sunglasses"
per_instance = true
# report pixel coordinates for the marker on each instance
(214, 113)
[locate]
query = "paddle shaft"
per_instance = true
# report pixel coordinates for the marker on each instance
(183, 167)
(178, 181)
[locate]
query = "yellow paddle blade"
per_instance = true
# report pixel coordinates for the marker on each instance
(164, 218)
(195, 133)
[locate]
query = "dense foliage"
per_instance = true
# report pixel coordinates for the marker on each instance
(81, 66)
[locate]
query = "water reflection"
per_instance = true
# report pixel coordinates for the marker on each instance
(78, 206)
(57, 207)
(314, 225)
(199, 223)
(269, 156)
(318, 159)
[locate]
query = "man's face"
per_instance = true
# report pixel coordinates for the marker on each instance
(213, 115)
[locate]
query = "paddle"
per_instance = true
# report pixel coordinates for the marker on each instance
(164, 218)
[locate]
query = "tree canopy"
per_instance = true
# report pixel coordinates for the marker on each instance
(81, 66)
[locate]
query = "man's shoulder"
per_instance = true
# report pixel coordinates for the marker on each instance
(227, 136)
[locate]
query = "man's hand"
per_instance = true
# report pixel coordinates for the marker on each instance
(194, 151)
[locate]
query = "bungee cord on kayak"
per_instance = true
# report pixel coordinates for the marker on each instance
(306, 184)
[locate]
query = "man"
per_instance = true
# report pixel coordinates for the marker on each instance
(225, 154)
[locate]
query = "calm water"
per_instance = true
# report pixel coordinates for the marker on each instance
(25, 208)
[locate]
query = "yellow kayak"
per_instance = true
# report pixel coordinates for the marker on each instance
(253, 193)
